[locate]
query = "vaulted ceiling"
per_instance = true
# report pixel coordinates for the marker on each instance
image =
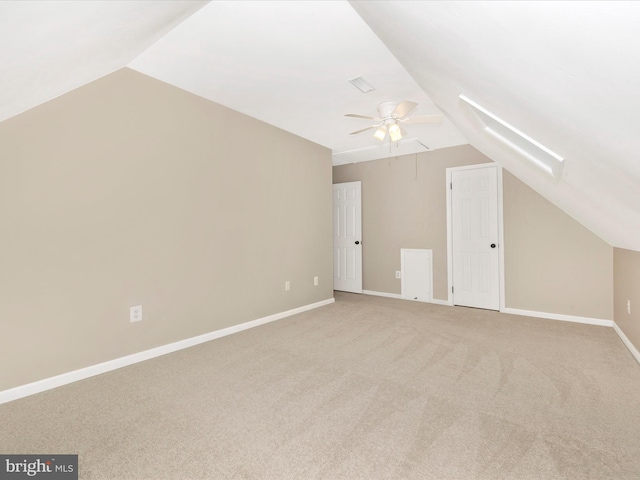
(564, 74)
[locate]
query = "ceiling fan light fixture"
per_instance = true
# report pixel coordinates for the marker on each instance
(380, 133)
(394, 132)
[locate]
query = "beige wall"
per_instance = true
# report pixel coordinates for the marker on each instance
(404, 206)
(552, 263)
(626, 284)
(129, 191)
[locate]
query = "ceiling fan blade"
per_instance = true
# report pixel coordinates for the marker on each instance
(355, 115)
(403, 109)
(423, 119)
(363, 130)
(402, 131)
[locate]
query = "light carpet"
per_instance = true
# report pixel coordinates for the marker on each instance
(365, 388)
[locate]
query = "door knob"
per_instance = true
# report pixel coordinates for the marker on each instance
(493, 245)
(357, 242)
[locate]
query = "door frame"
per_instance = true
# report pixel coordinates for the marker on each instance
(360, 246)
(501, 287)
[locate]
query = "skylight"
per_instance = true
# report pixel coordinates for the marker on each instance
(541, 156)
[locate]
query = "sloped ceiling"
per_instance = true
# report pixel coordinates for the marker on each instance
(565, 73)
(48, 48)
(288, 63)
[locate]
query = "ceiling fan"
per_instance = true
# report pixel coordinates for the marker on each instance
(392, 115)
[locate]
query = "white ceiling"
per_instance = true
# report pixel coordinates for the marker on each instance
(48, 48)
(288, 63)
(565, 73)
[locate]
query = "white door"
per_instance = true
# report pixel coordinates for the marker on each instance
(347, 237)
(474, 203)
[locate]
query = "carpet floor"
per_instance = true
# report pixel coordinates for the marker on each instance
(365, 388)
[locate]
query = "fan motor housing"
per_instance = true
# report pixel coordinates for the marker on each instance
(386, 109)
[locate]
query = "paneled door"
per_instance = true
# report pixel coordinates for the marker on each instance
(347, 237)
(474, 203)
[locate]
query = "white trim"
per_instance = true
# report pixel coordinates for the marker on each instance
(634, 351)
(341, 282)
(76, 375)
(449, 240)
(382, 294)
(501, 240)
(441, 302)
(559, 316)
(500, 231)
(399, 297)
(473, 166)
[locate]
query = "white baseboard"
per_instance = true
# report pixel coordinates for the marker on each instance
(590, 321)
(76, 375)
(382, 294)
(441, 302)
(399, 297)
(634, 351)
(559, 316)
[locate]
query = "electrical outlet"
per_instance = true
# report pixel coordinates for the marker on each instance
(315, 281)
(287, 286)
(629, 306)
(135, 314)
(398, 274)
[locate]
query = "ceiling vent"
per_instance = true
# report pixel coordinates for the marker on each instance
(361, 84)
(541, 156)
